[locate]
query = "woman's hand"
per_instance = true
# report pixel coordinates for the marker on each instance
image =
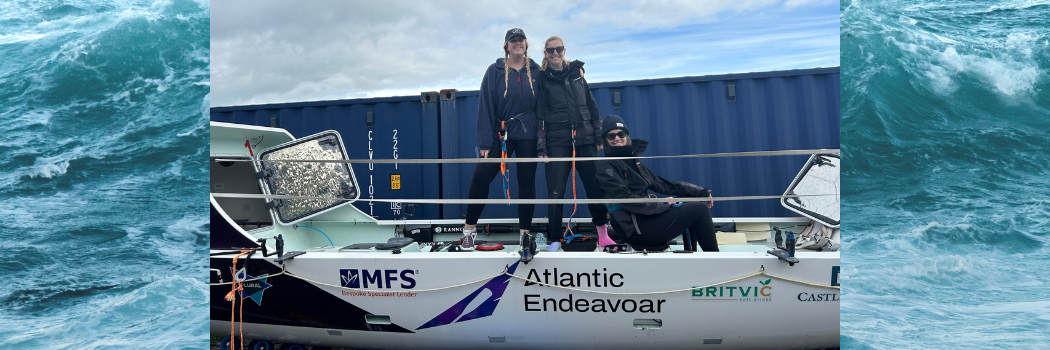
(672, 203)
(485, 153)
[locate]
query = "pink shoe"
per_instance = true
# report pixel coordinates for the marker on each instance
(603, 236)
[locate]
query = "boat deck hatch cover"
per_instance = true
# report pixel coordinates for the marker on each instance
(360, 246)
(321, 179)
(817, 187)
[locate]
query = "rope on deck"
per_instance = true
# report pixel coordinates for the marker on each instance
(761, 272)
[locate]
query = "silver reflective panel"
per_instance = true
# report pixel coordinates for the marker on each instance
(817, 186)
(330, 180)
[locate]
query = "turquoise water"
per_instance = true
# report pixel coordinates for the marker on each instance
(946, 174)
(103, 212)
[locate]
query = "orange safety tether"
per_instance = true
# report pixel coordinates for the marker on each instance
(503, 165)
(238, 286)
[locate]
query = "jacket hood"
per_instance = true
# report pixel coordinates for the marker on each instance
(636, 148)
(560, 74)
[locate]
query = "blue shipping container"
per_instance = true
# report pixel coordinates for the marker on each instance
(764, 111)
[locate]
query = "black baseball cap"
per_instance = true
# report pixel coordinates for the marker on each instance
(514, 32)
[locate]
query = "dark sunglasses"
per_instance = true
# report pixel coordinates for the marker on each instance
(551, 50)
(611, 136)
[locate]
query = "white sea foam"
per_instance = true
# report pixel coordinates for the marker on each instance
(196, 131)
(176, 169)
(17, 38)
(1006, 76)
(49, 167)
(941, 80)
(186, 228)
(37, 117)
(1006, 67)
(941, 267)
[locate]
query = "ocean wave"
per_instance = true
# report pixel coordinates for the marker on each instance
(145, 314)
(103, 123)
(944, 139)
(1017, 5)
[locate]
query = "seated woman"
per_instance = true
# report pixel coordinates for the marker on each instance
(650, 225)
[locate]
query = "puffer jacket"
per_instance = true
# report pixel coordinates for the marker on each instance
(565, 103)
(517, 107)
(621, 180)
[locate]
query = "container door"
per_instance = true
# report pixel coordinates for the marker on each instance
(280, 173)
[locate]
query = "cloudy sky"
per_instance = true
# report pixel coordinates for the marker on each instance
(270, 51)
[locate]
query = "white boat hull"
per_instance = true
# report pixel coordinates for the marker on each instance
(757, 312)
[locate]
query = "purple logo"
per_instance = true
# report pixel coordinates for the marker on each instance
(496, 286)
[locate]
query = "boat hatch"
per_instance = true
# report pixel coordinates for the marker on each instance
(817, 188)
(280, 176)
(235, 177)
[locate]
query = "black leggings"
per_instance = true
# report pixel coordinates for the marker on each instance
(557, 172)
(659, 229)
(484, 173)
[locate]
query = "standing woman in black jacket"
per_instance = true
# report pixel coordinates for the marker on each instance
(506, 116)
(570, 126)
(650, 225)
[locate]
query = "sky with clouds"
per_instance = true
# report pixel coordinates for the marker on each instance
(271, 51)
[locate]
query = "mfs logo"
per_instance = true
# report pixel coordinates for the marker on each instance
(354, 278)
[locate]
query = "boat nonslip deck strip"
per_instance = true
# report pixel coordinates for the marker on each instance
(537, 160)
(760, 272)
(516, 201)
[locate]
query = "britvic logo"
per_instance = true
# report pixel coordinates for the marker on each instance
(354, 278)
(760, 292)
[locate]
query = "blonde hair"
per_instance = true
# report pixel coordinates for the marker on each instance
(506, 68)
(548, 41)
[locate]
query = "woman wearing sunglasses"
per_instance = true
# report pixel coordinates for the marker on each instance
(650, 225)
(570, 126)
(506, 126)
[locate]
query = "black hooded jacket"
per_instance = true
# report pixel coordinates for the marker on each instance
(631, 179)
(564, 103)
(517, 106)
